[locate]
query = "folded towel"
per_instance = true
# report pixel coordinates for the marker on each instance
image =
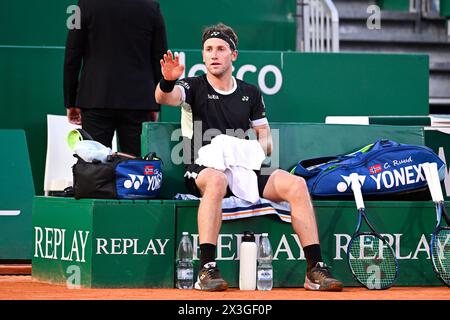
(236, 208)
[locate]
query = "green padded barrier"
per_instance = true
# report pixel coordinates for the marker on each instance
(292, 141)
(16, 196)
(103, 243)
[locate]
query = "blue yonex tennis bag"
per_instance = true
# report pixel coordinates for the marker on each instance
(384, 167)
(118, 178)
(139, 178)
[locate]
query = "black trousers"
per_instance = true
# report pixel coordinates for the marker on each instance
(101, 124)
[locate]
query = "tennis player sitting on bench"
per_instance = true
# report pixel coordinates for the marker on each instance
(222, 102)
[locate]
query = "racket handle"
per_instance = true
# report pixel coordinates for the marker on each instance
(356, 187)
(436, 182)
(428, 176)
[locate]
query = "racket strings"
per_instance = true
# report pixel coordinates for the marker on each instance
(440, 249)
(372, 262)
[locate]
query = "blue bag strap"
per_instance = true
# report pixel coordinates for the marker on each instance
(384, 143)
(301, 168)
(151, 156)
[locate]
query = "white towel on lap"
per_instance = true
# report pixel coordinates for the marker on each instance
(237, 158)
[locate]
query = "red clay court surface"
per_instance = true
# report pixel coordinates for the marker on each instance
(25, 288)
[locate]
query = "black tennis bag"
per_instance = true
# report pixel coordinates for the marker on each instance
(118, 178)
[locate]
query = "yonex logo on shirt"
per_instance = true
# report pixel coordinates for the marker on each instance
(213, 96)
(244, 98)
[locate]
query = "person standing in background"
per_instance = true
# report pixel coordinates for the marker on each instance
(111, 69)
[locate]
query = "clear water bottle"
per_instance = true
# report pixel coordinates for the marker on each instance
(264, 271)
(185, 267)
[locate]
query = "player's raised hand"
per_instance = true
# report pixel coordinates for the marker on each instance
(171, 67)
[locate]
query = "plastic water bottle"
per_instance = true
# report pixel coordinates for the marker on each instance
(185, 267)
(247, 262)
(265, 270)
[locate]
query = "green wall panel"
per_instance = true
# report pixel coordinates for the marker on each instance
(37, 23)
(445, 8)
(31, 82)
(16, 196)
(34, 23)
(395, 5)
(275, 19)
(307, 87)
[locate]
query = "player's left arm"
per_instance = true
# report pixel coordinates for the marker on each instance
(259, 122)
(264, 137)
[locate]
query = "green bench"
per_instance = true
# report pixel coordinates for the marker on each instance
(116, 234)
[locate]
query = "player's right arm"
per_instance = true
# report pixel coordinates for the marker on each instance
(167, 93)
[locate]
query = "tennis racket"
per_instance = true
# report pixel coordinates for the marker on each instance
(440, 239)
(371, 259)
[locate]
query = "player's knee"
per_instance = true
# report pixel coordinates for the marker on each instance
(217, 183)
(298, 188)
